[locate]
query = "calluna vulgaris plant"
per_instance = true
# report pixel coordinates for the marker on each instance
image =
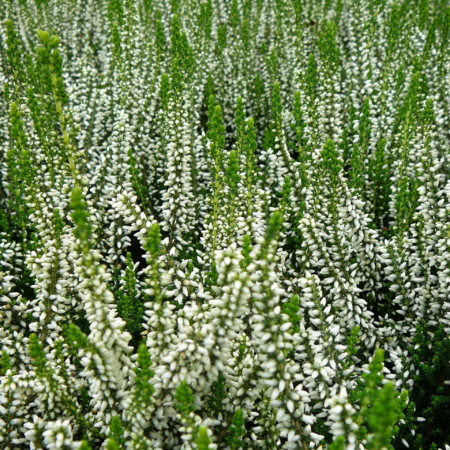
(224, 224)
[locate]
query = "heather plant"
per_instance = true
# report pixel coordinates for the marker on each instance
(224, 224)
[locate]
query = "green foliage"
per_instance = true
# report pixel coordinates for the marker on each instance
(382, 185)
(329, 53)
(152, 244)
(330, 164)
(273, 227)
(80, 216)
(352, 343)
(430, 399)
(381, 406)
(232, 172)
(76, 337)
(246, 250)
(129, 306)
(218, 394)
(13, 53)
(5, 363)
(144, 388)
(236, 430)
(234, 14)
(116, 435)
(85, 445)
(21, 171)
(37, 354)
(239, 120)
(383, 416)
(221, 38)
(203, 440)
(182, 54)
(216, 134)
(337, 444)
(359, 153)
(184, 399)
(291, 309)
(160, 39)
(205, 17)
(276, 104)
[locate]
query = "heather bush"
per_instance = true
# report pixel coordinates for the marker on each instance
(224, 224)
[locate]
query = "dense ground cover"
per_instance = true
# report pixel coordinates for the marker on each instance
(224, 224)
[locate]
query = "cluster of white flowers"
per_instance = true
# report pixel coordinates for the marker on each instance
(214, 216)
